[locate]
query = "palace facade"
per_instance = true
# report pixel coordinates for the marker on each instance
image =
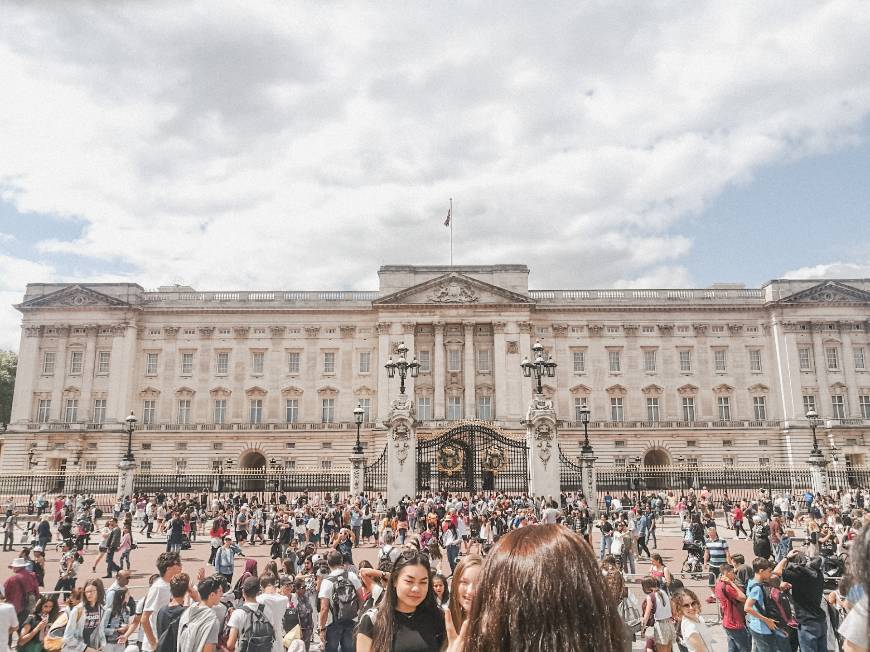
(716, 375)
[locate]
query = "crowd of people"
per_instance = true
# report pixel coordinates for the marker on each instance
(450, 572)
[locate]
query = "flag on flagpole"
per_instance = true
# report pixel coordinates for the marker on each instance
(449, 212)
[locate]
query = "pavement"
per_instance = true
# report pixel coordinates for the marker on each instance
(144, 557)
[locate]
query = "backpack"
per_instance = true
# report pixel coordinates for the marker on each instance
(168, 641)
(630, 613)
(344, 603)
(259, 635)
(224, 634)
(385, 564)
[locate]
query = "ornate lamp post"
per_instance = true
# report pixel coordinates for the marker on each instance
(358, 414)
(584, 419)
(402, 366)
(130, 426)
(540, 367)
(813, 418)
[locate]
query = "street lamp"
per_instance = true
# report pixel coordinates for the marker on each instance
(130, 422)
(813, 418)
(402, 366)
(540, 367)
(584, 419)
(358, 414)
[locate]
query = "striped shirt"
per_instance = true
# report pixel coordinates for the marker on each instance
(718, 551)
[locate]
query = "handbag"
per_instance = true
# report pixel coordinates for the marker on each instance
(53, 641)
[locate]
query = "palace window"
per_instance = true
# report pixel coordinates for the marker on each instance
(484, 408)
(805, 358)
(365, 362)
(838, 406)
(293, 362)
(257, 359)
(75, 362)
(220, 410)
(222, 363)
(71, 413)
(425, 360)
(424, 408)
(99, 411)
(256, 410)
(454, 408)
(858, 354)
(579, 405)
(832, 355)
(184, 411)
(327, 410)
(454, 359)
(613, 361)
(151, 364)
(652, 409)
(484, 362)
(48, 360)
(291, 410)
(724, 404)
(103, 358)
(616, 409)
(149, 411)
(759, 406)
(864, 402)
(579, 361)
(366, 405)
(809, 403)
(688, 408)
(754, 359)
(649, 360)
(329, 362)
(685, 360)
(186, 364)
(719, 361)
(43, 412)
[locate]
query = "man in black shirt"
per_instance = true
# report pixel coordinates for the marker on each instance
(807, 587)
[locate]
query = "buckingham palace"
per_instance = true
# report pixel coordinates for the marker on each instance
(719, 375)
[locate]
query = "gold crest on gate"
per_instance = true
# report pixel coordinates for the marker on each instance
(450, 459)
(494, 459)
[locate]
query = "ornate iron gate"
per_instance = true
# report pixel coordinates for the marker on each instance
(375, 475)
(570, 474)
(472, 457)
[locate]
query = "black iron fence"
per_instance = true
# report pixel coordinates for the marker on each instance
(570, 474)
(24, 488)
(375, 475)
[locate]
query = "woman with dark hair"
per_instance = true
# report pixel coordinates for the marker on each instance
(116, 619)
(855, 629)
(463, 588)
(441, 590)
(408, 619)
(540, 589)
(84, 631)
(37, 624)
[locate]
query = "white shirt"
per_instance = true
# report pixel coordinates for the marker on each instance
(8, 619)
(689, 627)
(158, 597)
(276, 604)
(327, 586)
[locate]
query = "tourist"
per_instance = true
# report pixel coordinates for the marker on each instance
(440, 588)
(159, 595)
(696, 636)
(21, 588)
(731, 600)
(514, 605)
(716, 553)
(463, 588)
(408, 618)
(764, 631)
(807, 590)
(302, 602)
(199, 627)
(116, 618)
(450, 541)
(660, 571)
(225, 558)
(276, 605)
(36, 625)
(169, 615)
(657, 615)
(338, 609)
(8, 622)
(855, 629)
(84, 630)
(246, 621)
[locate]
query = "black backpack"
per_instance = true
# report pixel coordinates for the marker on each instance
(259, 635)
(168, 641)
(344, 603)
(385, 563)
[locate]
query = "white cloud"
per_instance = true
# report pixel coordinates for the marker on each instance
(15, 274)
(831, 270)
(301, 145)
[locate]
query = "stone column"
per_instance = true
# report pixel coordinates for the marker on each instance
(88, 370)
(819, 472)
(438, 370)
(126, 468)
(408, 331)
(383, 381)
(848, 366)
(590, 484)
(122, 370)
(468, 370)
(357, 474)
(60, 367)
(499, 369)
(542, 440)
(821, 368)
(401, 450)
(29, 369)
(564, 371)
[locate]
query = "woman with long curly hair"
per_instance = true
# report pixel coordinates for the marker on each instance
(408, 618)
(540, 589)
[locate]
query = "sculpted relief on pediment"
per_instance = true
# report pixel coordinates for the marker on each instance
(453, 292)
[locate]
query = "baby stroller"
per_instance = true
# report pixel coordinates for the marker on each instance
(694, 562)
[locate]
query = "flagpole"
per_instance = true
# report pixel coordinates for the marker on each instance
(451, 231)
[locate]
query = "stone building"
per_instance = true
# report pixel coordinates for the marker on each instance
(716, 375)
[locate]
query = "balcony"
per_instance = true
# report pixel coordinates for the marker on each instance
(670, 425)
(648, 297)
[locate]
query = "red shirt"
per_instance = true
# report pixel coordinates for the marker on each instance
(732, 607)
(17, 586)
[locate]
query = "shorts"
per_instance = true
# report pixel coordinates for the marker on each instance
(664, 632)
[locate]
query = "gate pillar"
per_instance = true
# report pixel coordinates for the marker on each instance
(401, 450)
(819, 472)
(125, 478)
(542, 439)
(590, 485)
(357, 474)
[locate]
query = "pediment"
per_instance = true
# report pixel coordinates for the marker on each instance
(829, 292)
(74, 296)
(453, 289)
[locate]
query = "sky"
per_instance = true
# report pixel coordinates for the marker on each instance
(302, 145)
